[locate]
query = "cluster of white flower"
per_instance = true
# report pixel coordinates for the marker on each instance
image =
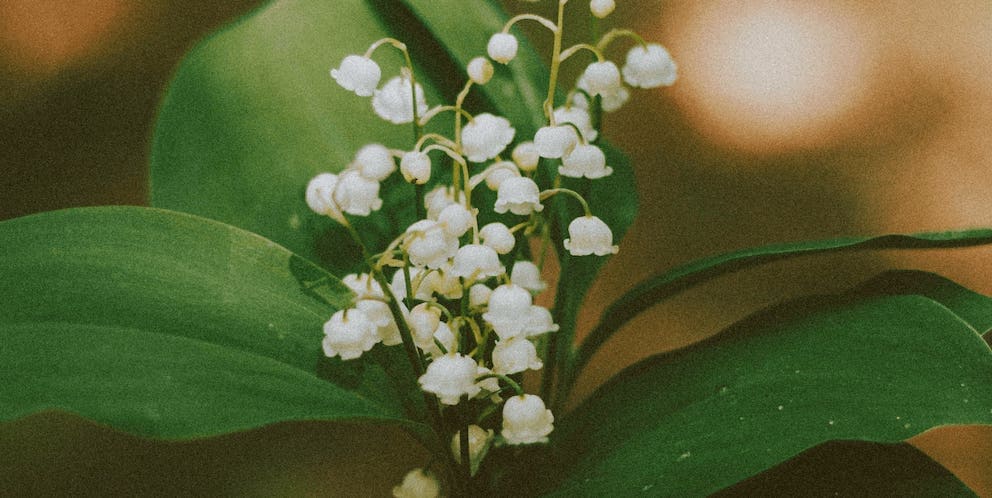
(461, 297)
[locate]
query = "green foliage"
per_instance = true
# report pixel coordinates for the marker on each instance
(167, 325)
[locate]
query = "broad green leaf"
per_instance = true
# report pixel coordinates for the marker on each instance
(874, 368)
(854, 468)
(168, 325)
(970, 306)
(670, 283)
(252, 114)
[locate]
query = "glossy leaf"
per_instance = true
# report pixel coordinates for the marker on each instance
(874, 368)
(670, 283)
(970, 306)
(168, 325)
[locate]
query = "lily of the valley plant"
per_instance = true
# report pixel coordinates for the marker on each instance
(407, 207)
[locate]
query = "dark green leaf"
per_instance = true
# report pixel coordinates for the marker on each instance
(854, 468)
(876, 368)
(668, 284)
(168, 325)
(970, 306)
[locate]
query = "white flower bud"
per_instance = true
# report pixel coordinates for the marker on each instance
(356, 194)
(348, 334)
(423, 292)
(526, 420)
(375, 162)
(514, 355)
(508, 304)
(418, 483)
(320, 195)
(649, 67)
(585, 160)
(378, 312)
(450, 377)
(478, 295)
(498, 236)
(580, 118)
(485, 137)
(602, 8)
(554, 142)
(502, 47)
(436, 200)
(358, 74)
(363, 285)
(455, 220)
(394, 101)
(424, 320)
(480, 70)
(527, 275)
(476, 262)
(602, 78)
(538, 321)
(499, 172)
(428, 245)
(416, 167)
(519, 195)
(479, 441)
(590, 235)
(609, 101)
(526, 156)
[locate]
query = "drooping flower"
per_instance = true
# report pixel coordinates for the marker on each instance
(348, 334)
(526, 420)
(508, 304)
(437, 199)
(418, 483)
(650, 67)
(415, 166)
(498, 172)
(379, 313)
(479, 441)
(602, 78)
(455, 220)
(539, 321)
(585, 160)
(357, 195)
(518, 195)
(375, 162)
(394, 101)
(358, 74)
(363, 285)
(450, 377)
(527, 275)
(480, 70)
(590, 235)
(485, 137)
(514, 355)
(424, 321)
(609, 101)
(428, 245)
(422, 292)
(525, 155)
(320, 195)
(554, 142)
(601, 8)
(476, 261)
(502, 47)
(498, 236)
(478, 295)
(580, 118)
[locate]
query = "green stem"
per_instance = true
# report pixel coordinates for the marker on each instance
(549, 103)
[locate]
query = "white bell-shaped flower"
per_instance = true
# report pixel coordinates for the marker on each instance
(514, 355)
(578, 116)
(610, 102)
(480, 70)
(518, 195)
(363, 285)
(415, 166)
(602, 8)
(508, 304)
(445, 283)
(455, 220)
(418, 483)
(478, 295)
(527, 275)
(486, 386)
(394, 101)
(424, 320)
(450, 377)
(476, 262)
(378, 312)
(428, 245)
(590, 235)
(539, 321)
(498, 236)
(526, 420)
(358, 74)
(348, 334)
(320, 195)
(602, 78)
(446, 337)
(650, 67)
(423, 292)
(585, 160)
(479, 441)
(375, 162)
(356, 194)
(498, 172)
(525, 155)
(485, 137)
(437, 199)
(554, 142)
(502, 47)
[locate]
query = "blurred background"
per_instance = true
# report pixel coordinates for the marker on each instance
(791, 120)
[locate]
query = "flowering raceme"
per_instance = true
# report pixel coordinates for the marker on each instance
(460, 298)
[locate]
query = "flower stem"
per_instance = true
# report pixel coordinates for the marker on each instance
(549, 103)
